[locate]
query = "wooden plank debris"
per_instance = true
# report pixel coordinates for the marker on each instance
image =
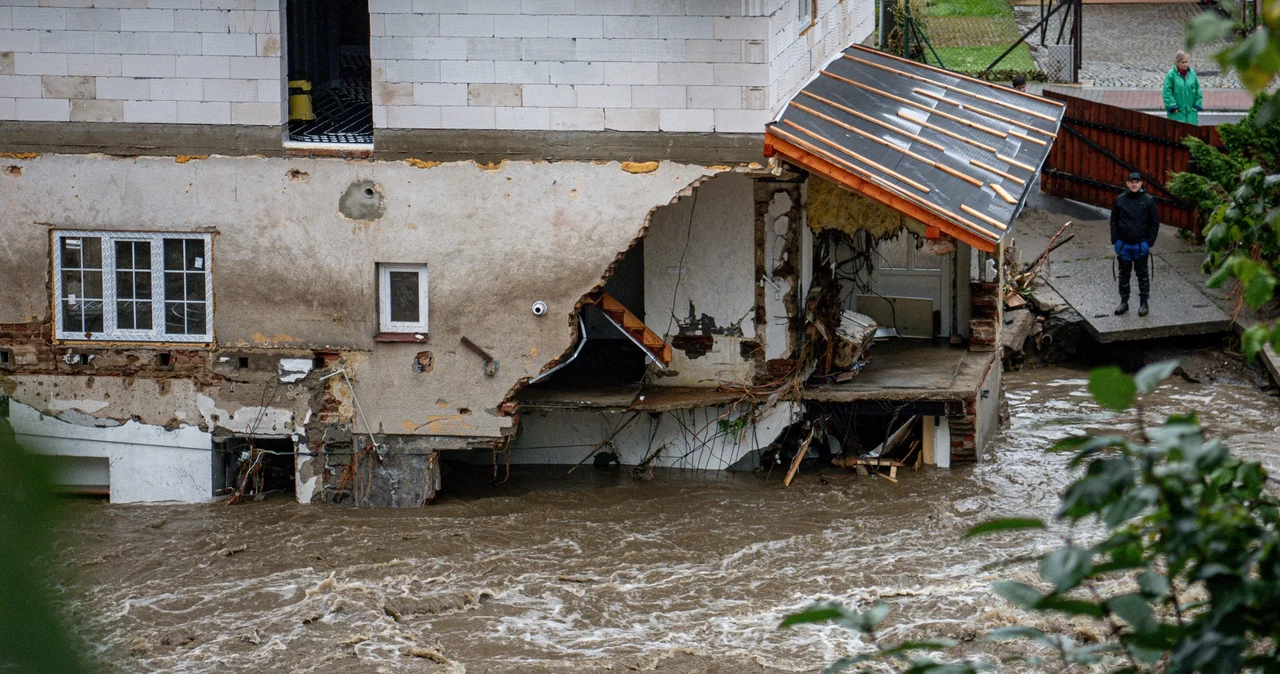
(795, 462)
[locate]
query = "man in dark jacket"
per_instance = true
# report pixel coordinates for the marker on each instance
(1134, 226)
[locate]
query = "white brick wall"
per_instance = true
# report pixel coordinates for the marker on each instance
(632, 65)
(144, 61)
(796, 53)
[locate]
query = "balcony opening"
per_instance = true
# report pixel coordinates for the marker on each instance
(330, 90)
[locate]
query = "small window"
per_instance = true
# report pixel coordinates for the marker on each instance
(808, 8)
(133, 286)
(402, 298)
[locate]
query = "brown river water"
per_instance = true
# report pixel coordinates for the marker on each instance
(687, 572)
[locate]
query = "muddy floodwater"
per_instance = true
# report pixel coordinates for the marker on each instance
(596, 571)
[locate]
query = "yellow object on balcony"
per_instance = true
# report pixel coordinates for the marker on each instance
(300, 101)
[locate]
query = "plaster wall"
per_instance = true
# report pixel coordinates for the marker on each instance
(146, 462)
(779, 284)
(291, 273)
(701, 251)
(988, 401)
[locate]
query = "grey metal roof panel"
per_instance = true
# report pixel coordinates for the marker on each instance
(948, 142)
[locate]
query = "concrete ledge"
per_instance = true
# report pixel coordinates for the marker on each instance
(492, 146)
(1178, 308)
(389, 144)
(140, 139)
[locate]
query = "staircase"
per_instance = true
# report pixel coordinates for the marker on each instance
(631, 326)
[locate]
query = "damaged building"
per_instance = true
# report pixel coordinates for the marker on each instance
(331, 248)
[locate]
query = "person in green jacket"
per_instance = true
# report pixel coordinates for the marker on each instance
(1182, 95)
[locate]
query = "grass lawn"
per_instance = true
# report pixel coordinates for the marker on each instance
(967, 8)
(975, 59)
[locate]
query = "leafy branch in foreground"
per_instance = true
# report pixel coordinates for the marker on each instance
(1182, 567)
(1187, 576)
(33, 634)
(865, 622)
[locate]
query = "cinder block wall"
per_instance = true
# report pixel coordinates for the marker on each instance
(627, 65)
(797, 51)
(146, 61)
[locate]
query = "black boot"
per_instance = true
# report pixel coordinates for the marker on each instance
(1142, 309)
(1123, 308)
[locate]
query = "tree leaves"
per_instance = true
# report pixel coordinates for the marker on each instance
(864, 621)
(1150, 376)
(1112, 388)
(1105, 481)
(33, 637)
(1007, 524)
(1065, 567)
(817, 614)
(1018, 593)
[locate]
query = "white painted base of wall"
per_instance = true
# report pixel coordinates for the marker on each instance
(942, 442)
(144, 463)
(937, 441)
(691, 439)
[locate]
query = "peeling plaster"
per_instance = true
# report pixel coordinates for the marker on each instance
(146, 462)
(248, 420)
(554, 227)
(294, 369)
(86, 406)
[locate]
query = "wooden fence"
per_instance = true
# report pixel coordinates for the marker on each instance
(1100, 144)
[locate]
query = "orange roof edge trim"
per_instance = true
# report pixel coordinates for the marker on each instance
(780, 146)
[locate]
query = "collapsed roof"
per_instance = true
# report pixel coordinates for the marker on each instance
(950, 151)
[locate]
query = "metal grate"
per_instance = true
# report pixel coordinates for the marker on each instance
(343, 109)
(1055, 61)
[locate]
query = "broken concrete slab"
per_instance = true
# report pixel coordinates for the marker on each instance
(1177, 307)
(1045, 298)
(1272, 362)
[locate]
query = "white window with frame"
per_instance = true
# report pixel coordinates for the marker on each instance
(133, 286)
(402, 298)
(807, 11)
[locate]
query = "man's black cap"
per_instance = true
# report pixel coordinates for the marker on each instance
(1134, 175)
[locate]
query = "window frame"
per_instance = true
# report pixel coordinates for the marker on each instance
(913, 243)
(808, 20)
(385, 324)
(110, 331)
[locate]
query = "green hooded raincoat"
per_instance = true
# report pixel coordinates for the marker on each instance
(1184, 94)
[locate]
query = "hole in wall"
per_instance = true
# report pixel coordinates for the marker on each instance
(242, 362)
(6, 358)
(164, 360)
(261, 466)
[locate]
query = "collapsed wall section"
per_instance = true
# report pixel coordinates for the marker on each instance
(294, 261)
